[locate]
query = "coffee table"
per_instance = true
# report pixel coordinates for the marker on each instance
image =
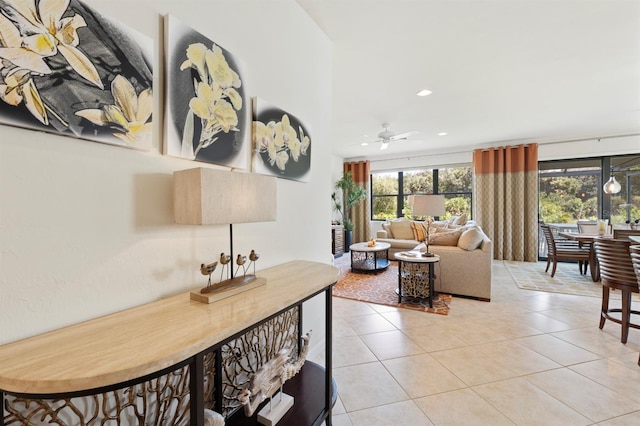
(369, 259)
(416, 275)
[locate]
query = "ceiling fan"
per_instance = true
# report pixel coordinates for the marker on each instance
(387, 136)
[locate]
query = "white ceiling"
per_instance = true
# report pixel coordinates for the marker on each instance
(500, 71)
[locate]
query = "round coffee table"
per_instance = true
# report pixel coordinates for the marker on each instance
(415, 275)
(367, 259)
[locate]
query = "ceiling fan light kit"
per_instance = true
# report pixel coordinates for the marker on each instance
(387, 136)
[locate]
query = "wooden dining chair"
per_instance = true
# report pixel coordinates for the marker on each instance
(564, 250)
(624, 234)
(634, 252)
(616, 272)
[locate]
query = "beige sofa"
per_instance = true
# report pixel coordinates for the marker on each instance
(464, 268)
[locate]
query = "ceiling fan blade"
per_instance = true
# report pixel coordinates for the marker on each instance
(385, 145)
(403, 135)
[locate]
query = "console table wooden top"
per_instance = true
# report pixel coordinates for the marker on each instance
(148, 338)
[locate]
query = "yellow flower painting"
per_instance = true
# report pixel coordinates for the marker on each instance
(282, 145)
(62, 62)
(207, 117)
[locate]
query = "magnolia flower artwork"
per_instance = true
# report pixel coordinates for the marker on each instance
(282, 145)
(207, 116)
(66, 69)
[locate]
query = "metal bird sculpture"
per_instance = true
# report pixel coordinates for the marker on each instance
(253, 257)
(240, 261)
(208, 269)
(224, 261)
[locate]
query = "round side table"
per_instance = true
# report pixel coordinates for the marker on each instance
(365, 258)
(416, 275)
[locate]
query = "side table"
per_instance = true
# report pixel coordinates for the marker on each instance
(416, 275)
(365, 258)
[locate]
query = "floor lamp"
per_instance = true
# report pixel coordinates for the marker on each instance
(428, 205)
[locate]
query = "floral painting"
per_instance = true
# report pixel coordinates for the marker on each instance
(66, 69)
(282, 144)
(208, 118)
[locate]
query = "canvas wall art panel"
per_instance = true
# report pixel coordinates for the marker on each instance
(66, 69)
(282, 144)
(208, 117)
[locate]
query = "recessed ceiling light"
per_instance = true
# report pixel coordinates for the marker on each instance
(442, 134)
(424, 92)
(365, 136)
(364, 144)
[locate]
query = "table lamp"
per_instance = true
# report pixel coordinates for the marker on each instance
(427, 205)
(208, 197)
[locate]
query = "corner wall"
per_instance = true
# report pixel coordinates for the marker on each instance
(87, 229)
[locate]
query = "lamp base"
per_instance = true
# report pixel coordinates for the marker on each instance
(227, 288)
(427, 254)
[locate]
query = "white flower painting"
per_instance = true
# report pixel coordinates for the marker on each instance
(208, 118)
(66, 69)
(282, 145)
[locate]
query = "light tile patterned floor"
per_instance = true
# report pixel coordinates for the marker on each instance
(525, 358)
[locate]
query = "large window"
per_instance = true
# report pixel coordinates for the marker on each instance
(571, 190)
(390, 191)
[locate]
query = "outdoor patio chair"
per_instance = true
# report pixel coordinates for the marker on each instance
(561, 249)
(616, 272)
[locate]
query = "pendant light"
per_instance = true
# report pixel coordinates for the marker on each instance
(612, 186)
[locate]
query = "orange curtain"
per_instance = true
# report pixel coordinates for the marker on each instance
(505, 194)
(360, 172)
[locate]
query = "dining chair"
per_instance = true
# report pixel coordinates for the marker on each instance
(558, 249)
(587, 227)
(624, 234)
(591, 227)
(634, 251)
(616, 272)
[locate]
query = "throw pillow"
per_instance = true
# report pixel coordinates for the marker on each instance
(460, 220)
(386, 226)
(437, 227)
(401, 229)
(446, 238)
(470, 239)
(419, 231)
(453, 219)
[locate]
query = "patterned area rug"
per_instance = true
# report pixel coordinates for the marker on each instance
(380, 288)
(531, 276)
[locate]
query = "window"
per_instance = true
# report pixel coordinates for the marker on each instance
(568, 190)
(390, 190)
(571, 190)
(384, 199)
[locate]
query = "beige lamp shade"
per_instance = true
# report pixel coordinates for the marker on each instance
(209, 196)
(427, 205)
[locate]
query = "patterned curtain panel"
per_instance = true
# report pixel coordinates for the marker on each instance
(360, 172)
(505, 195)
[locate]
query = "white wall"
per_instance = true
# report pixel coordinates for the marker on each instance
(87, 229)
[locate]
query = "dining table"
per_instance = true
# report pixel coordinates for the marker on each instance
(587, 239)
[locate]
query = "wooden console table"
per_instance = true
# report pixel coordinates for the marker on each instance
(200, 355)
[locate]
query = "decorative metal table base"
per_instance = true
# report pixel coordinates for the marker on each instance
(369, 260)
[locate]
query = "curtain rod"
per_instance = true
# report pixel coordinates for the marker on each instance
(599, 138)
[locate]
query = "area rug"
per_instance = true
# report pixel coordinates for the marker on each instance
(567, 279)
(380, 288)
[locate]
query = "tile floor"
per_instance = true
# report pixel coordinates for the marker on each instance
(525, 358)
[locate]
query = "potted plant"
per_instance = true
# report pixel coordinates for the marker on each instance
(352, 194)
